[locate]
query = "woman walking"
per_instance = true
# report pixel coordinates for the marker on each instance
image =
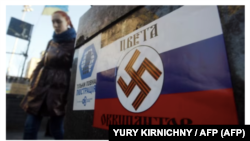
(50, 80)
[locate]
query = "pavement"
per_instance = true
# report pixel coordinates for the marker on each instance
(18, 135)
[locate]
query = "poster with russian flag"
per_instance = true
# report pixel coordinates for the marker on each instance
(172, 71)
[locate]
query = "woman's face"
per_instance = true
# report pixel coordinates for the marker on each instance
(59, 23)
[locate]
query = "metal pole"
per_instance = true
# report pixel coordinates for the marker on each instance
(26, 55)
(14, 48)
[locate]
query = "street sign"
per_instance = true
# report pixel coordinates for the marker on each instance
(19, 29)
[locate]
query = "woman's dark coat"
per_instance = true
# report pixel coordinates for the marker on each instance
(50, 81)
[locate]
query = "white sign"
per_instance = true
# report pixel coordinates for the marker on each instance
(84, 98)
(145, 66)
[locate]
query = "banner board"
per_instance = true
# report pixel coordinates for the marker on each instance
(173, 71)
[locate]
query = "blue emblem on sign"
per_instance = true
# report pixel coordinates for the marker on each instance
(88, 62)
(85, 100)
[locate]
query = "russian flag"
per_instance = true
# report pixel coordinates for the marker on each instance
(196, 87)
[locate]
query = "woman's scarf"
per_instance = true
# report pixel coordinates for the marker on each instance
(67, 35)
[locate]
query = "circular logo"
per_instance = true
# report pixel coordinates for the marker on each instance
(139, 79)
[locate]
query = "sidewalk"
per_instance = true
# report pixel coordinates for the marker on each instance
(18, 135)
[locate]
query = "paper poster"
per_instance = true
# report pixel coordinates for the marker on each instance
(173, 71)
(85, 87)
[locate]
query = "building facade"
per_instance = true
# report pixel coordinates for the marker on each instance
(32, 65)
